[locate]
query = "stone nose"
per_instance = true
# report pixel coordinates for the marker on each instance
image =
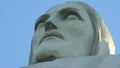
(45, 55)
(49, 26)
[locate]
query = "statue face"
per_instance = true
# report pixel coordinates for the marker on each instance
(62, 32)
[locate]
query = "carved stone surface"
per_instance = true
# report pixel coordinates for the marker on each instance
(72, 35)
(73, 29)
(82, 62)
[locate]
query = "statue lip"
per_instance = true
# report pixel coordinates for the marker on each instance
(51, 34)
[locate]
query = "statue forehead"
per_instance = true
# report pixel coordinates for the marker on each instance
(59, 7)
(68, 6)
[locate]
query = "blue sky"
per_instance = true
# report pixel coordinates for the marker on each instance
(17, 19)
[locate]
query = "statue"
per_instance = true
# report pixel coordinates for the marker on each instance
(72, 35)
(70, 30)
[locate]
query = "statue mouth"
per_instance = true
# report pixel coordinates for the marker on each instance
(45, 59)
(51, 34)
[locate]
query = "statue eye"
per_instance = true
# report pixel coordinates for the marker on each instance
(41, 20)
(72, 16)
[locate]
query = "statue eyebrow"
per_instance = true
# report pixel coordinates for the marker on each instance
(41, 19)
(65, 12)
